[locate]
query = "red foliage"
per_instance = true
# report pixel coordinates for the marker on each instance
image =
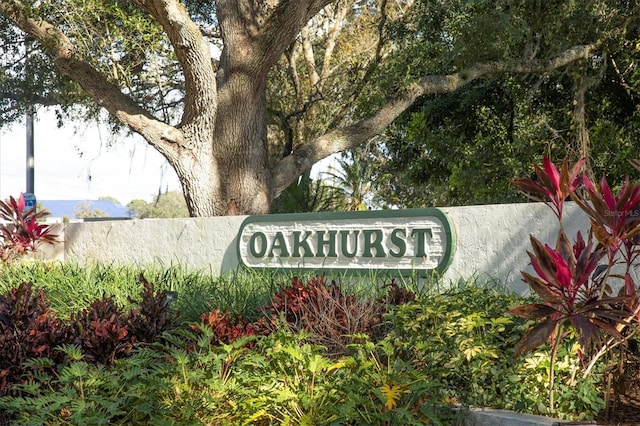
(572, 293)
(615, 218)
(553, 186)
(102, 332)
(105, 333)
(293, 300)
(331, 316)
(28, 329)
(225, 329)
(23, 233)
(151, 317)
(397, 295)
(323, 310)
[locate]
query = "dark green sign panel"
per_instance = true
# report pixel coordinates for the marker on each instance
(404, 241)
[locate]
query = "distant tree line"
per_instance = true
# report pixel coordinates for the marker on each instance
(164, 205)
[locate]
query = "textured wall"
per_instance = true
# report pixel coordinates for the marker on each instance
(198, 243)
(492, 240)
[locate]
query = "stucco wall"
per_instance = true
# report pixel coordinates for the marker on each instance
(198, 243)
(491, 240)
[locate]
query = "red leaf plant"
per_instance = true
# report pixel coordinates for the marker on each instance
(226, 329)
(102, 332)
(28, 329)
(571, 281)
(20, 231)
(569, 292)
(615, 219)
(553, 186)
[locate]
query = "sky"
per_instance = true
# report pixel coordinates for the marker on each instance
(81, 162)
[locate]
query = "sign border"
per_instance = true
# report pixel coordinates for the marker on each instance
(366, 214)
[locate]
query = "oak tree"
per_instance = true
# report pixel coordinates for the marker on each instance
(465, 147)
(196, 79)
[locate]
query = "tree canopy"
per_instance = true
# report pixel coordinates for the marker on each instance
(242, 97)
(432, 154)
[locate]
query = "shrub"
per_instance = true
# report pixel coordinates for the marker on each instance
(150, 317)
(40, 356)
(102, 332)
(451, 348)
(377, 385)
(330, 316)
(28, 329)
(576, 292)
(463, 338)
(224, 329)
(78, 392)
(577, 397)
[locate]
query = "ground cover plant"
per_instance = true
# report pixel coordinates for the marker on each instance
(105, 344)
(402, 355)
(95, 341)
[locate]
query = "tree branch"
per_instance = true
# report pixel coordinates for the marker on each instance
(193, 54)
(107, 95)
(371, 68)
(332, 37)
(271, 30)
(285, 24)
(309, 57)
(292, 59)
(341, 139)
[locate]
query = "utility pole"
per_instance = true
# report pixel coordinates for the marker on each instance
(30, 150)
(29, 195)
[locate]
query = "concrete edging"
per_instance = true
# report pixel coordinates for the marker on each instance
(495, 417)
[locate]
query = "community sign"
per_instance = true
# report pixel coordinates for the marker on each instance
(405, 241)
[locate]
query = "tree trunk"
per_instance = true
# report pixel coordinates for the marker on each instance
(227, 171)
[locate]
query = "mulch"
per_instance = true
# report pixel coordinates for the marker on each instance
(624, 399)
(622, 413)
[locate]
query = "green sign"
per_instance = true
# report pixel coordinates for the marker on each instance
(405, 241)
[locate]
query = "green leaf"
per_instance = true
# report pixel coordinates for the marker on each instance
(317, 363)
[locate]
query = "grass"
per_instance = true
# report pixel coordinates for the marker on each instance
(71, 287)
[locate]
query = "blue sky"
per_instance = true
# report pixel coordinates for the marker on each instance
(76, 162)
